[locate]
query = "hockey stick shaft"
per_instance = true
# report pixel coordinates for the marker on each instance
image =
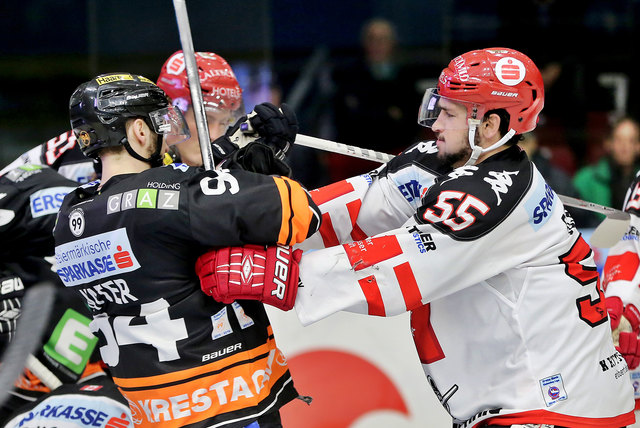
(344, 149)
(590, 206)
(36, 307)
(186, 41)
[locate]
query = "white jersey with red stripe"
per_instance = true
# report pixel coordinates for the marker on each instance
(508, 316)
(621, 275)
(382, 200)
(60, 153)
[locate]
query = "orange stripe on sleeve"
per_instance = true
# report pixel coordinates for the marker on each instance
(296, 214)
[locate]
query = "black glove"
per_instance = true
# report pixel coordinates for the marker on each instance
(222, 147)
(266, 124)
(259, 158)
(277, 127)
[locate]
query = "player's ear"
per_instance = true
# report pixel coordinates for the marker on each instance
(138, 133)
(490, 128)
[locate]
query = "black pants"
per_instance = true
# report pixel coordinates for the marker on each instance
(270, 420)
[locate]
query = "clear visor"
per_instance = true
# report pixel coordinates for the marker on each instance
(217, 105)
(170, 123)
(220, 114)
(449, 112)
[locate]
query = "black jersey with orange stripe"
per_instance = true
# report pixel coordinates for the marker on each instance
(130, 247)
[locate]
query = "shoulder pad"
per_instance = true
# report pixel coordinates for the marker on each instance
(471, 201)
(423, 154)
(23, 172)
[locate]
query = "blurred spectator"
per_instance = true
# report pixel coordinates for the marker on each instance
(606, 182)
(556, 177)
(374, 103)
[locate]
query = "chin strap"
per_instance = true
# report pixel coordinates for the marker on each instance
(476, 151)
(154, 160)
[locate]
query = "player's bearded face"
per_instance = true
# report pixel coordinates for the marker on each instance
(451, 129)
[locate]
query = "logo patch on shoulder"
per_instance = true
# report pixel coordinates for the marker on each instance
(540, 205)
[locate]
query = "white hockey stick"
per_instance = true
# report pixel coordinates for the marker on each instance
(343, 149)
(607, 234)
(36, 308)
(184, 29)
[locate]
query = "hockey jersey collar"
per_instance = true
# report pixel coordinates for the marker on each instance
(513, 153)
(94, 187)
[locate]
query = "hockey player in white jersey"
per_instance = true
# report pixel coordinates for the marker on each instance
(621, 282)
(508, 316)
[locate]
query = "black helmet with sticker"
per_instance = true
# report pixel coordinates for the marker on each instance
(100, 108)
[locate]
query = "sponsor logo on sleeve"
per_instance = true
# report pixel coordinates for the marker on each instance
(94, 258)
(540, 205)
(47, 201)
(424, 241)
(411, 190)
(632, 234)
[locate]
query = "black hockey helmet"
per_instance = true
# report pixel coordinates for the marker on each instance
(99, 109)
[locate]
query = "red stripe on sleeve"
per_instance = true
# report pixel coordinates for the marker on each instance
(329, 237)
(427, 345)
(408, 286)
(354, 209)
(371, 291)
(332, 191)
(357, 234)
(363, 254)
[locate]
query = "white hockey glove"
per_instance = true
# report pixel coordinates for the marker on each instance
(625, 326)
(11, 293)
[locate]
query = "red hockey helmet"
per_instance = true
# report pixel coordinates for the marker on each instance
(220, 88)
(488, 79)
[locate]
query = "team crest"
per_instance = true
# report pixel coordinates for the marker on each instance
(84, 138)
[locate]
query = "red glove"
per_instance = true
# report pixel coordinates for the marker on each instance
(625, 325)
(629, 348)
(267, 274)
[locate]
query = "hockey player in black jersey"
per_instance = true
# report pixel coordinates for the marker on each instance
(129, 242)
(65, 363)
